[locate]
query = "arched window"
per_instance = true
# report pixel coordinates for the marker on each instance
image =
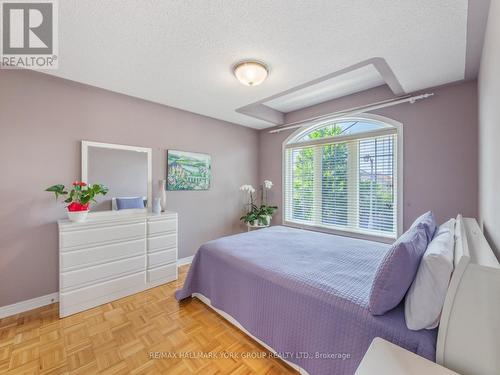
(342, 175)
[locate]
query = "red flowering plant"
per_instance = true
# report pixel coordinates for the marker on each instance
(80, 196)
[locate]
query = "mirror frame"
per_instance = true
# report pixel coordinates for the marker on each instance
(148, 151)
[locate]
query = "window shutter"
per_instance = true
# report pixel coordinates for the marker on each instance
(346, 184)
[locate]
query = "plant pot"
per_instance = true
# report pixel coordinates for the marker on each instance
(78, 216)
(266, 221)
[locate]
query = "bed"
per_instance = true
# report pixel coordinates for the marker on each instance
(302, 292)
(278, 285)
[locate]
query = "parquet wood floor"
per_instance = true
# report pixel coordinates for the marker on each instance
(146, 333)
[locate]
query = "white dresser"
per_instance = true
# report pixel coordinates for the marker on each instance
(112, 255)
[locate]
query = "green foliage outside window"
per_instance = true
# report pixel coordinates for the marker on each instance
(375, 213)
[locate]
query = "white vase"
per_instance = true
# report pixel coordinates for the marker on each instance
(163, 194)
(156, 205)
(78, 216)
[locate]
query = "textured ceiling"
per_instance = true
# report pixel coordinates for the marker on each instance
(179, 52)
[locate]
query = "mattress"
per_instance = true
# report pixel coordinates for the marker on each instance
(305, 294)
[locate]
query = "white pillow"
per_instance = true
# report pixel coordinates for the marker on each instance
(425, 298)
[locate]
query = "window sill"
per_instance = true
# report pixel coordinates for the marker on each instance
(389, 238)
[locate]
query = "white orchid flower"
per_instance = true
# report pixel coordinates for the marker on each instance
(248, 188)
(268, 184)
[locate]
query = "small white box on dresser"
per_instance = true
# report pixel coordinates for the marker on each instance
(113, 255)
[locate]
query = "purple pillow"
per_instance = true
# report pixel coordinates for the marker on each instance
(128, 203)
(397, 270)
(428, 222)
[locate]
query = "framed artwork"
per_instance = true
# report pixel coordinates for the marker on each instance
(188, 171)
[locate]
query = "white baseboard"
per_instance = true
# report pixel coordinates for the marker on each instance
(184, 261)
(27, 305)
(19, 307)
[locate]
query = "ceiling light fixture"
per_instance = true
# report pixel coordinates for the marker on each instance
(251, 73)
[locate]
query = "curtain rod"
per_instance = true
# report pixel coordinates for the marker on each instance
(355, 110)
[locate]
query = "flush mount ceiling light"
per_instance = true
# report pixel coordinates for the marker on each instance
(251, 73)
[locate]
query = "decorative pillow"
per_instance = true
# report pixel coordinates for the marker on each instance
(425, 299)
(428, 221)
(397, 270)
(127, 203)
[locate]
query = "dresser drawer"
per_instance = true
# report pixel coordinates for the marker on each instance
(164, 242)
(102, 254)
(162, 226)
(95, 292)
(95, 274)
(162, 257)
(94, 236)
(166, 273)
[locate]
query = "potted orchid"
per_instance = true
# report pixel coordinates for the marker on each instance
(78, 198)
(266, 211)
(250, 217)
(258, 215)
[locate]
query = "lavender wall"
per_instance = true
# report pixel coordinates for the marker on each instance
(489, 130)
(42, 121)
(440, 149)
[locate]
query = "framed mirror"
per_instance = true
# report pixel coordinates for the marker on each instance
(125, 170)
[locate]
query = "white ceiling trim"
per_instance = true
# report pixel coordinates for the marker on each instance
(356, 78)
(361, 79)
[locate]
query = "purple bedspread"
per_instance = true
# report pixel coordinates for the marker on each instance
(302, 292)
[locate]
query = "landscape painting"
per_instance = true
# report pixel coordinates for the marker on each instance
(188, 171)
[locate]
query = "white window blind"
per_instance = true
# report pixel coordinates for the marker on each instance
(347, 184)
